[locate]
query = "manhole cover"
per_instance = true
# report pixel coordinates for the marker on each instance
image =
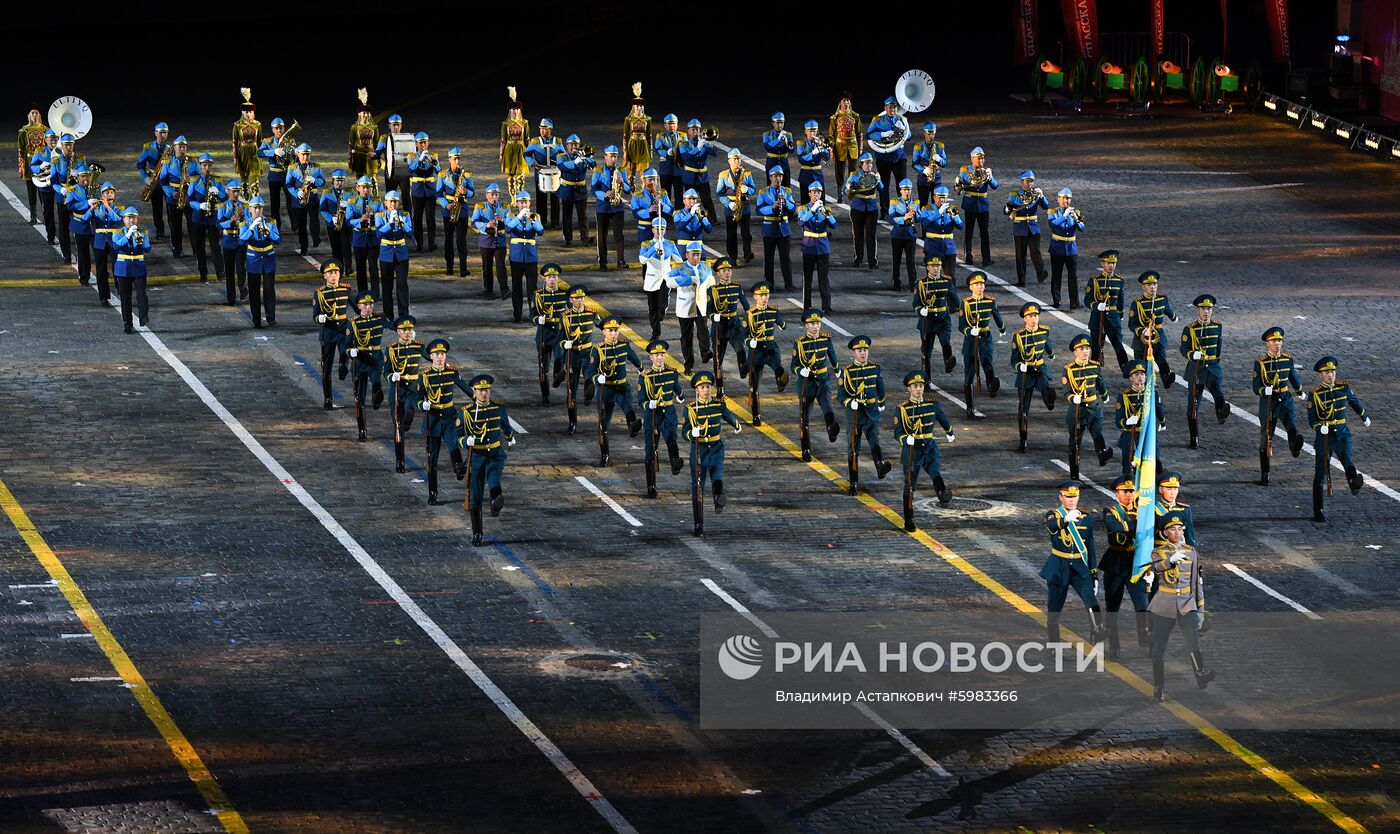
(590, 664)
(967, 506)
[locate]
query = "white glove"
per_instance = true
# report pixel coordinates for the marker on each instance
(1197, 355)
(1366, 421)
(879, 408)
(568, 344)
(345, 204)
(950, 437)
(694, 431)
(1268, 390)
(601, 379)
(395, 376)
(354, 352)
(753, 343)
(510, 442)
(974, 331)
(1132, 421)
(1076, 399)
(1023, 367)
(539, 319)
(888, 134)
(1073, 515)
(1177, 558)
(716, 317)
(280, 152)
(651, 404)
(1324, 428)
(427, 406)
(204, 206)
(854, 405)
(909, 440)
(923, 311)
(805, 372)
(321, 319)
(471, 440)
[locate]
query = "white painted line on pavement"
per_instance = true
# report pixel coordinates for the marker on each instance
(607, 499)
(86, 635)
(1298, 560)
(1270, 591)
(53, 586)
(396, 592)
(903, 740)
(1006, 554)
(797, 302)
(108, 679)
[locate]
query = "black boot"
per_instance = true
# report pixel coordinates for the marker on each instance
(676, 464)
(1049, 396)
(1355, 481)
(432, 485)
(1096, 625)
(588, 390)
(945, 495)
(1105, 454)
(497, 501)
(378, 394)
(558, 376)
(1111, 620)
(398, 457)
(949, 361)
(783, 378)
(1263, 468)
(476, 527)
(1192, 432)
(1144, 628)
(882, 466)
(634, 424)
(1021, 447)
(993, 385)
(967, 397)
(459, 466)
(344, 370)
(743, 359)
(1203, 675)
(1052, 627)
(1222, 411)
(1317, 505)
(1295, 444)
(327, 405)
(720, 500)
(1159, 674)
(833, 428)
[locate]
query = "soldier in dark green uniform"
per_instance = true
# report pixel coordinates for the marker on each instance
(935, 299)
(763, 321)
(546, 307)
(330, 306)
(1132, 410)
(1116, 567)
(727, 305)
(1327, 414)
(862, 391)
(435, 384)
(1201, 344)
(1178, 600)
(402, 361)
(917, 417)
(1073, 563)
(484, 429)
(813, 360)
(606, 363)
(979, 312)
(701, 426)
(658, 391)
(363, 335)
(1104, 300)
(1085, 390)
(577, 323)
(1145, 318)
(1274, 376)
(1030, 350)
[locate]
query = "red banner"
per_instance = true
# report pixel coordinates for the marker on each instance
(1278, 29)
(1378, 43)
(1082, 25)
(1159, 28)
(1025, 24)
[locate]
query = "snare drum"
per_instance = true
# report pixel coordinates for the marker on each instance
(549, 178)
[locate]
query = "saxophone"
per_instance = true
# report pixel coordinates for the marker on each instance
(454, 213)
(339, 213)
(615, 189)
(182, 197)
(155, 175)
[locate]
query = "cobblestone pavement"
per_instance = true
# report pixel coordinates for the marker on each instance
(318, 704)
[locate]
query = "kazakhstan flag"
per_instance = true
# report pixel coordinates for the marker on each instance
(1145, 459)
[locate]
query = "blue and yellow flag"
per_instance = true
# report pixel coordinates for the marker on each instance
(1145, 461)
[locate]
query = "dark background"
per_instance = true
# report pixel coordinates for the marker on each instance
(190, 59)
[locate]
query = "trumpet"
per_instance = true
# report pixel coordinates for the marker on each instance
(1075, 214)
(711, 133)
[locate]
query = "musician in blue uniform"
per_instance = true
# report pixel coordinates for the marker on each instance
(691, 222)
(888, 127)
(1066, 222)
(278, 159)
(1104, 300)
(902, 216)
(106, 221)
(335, 200)
(736, 191)
(978, 313)
(364, 240)
(64, 167)
(485, 434)
(918, 452)
(1201, 343)
(930, 157)
(939, 219)
(1116, 566)
(1146, 319)
(442, 423)
(148, 165)
(1085, 390)
(817, 222)
(173, 179)
(775, 206)
(1031, 349)
(689, 281)
(1274, 377)
(543, 152)
(812, 156)
(1327, 414)
(1073, 563)
(304, 180)
(666, 147)
(1132, 413)
(364, 335)
(235, 260)
(659, 258)
(259, 237)
(649, 204)
(814, 362)
(607, 363)
(489, 220)
(701, 426)
(422, 178)
(574, 166)
(41, 166)
(865, 196)
(393, 228)
(658, 393)
(399, 181)
(204, 195)
(79, 204)
(524, 227)
(695, 152)
(974, 180)
(935, 299)
(131, 245)
(330, 307)
(861, 389)
(1023, 207)
(611, 193)
(777, 145)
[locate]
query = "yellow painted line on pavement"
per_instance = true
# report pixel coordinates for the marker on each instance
(146, 697)
(1190, 717)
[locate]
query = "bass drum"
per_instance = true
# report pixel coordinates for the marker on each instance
(549, 178)
(398, 149)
